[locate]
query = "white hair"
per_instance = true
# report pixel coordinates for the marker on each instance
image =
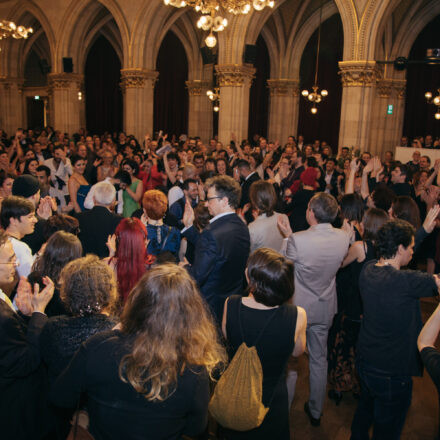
(104, 193)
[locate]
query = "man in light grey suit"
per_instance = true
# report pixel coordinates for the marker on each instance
(317, 253)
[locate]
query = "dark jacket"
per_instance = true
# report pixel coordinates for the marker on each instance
(221, 253)
(246, 186)
(23, 382)
(95, 227)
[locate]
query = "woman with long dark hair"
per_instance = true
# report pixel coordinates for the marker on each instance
(61, 248)
(128, 254)
(150, 378)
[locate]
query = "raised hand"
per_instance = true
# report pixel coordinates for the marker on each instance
(23, 298)
(188, 215)
(354, 164)
(284, 225)
(348, 228)
(431, 217)
(40, 299)
(111, 245)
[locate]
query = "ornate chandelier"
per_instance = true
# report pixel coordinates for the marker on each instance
(211, 10)
(434, 101)
(10, 29)
(315, 97)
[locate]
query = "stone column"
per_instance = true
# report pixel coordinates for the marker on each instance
(386, 129)
(284, 108)
(234, 81)
(12, 104)
(138, 95)
(65, 105)
(358, 94)
(200, 109)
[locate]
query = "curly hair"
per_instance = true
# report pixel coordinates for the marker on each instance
(155, 204)
(172, 329)
(60, 222)
(391, 235)
(88, 286)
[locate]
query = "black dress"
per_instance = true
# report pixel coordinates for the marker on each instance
(298, 208)
(344, 332)
(274, 348)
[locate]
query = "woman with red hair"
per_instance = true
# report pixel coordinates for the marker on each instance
(128, 254)
(308, 182)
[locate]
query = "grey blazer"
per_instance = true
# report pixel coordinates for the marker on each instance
(317, 254)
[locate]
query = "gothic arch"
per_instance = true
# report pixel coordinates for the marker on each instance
(107, 27)
(184, 29)
(77, 21)
(303, 36)
(14, 52)
(405, 40)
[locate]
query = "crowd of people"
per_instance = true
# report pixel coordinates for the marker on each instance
(132, 273)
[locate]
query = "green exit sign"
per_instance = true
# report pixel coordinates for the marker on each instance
(390, 109)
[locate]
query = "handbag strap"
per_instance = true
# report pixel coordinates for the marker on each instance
(166, 238)
(239, 308)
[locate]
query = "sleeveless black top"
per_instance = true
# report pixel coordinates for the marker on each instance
(274, 347)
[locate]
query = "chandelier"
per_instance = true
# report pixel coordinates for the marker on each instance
(10, 29)
(435, 101)
(212, 11)
(314, 96)
(214, 96)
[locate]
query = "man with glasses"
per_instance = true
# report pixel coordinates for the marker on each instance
(222, 249)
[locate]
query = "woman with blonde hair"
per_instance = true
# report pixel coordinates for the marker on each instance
(150, 378)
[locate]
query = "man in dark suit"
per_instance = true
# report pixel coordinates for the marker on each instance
(248, 178)
(328, 181)
(23, 386)
(222, 249)
(100, 222)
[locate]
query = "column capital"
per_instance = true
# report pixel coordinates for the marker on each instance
(65, 80)
(8, 82)
(399, 88)
(137, 78)
(197, 87)
(387, 87)
(359, 73)
(235, 75)
(283, 87)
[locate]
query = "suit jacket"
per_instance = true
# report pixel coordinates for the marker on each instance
(317, 253)
(95, 227)
(246, 186)
(333, 183)
(23, 382)
(221, 253)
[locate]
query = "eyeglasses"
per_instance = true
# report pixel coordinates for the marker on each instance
(14, 262)
(211, 198)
